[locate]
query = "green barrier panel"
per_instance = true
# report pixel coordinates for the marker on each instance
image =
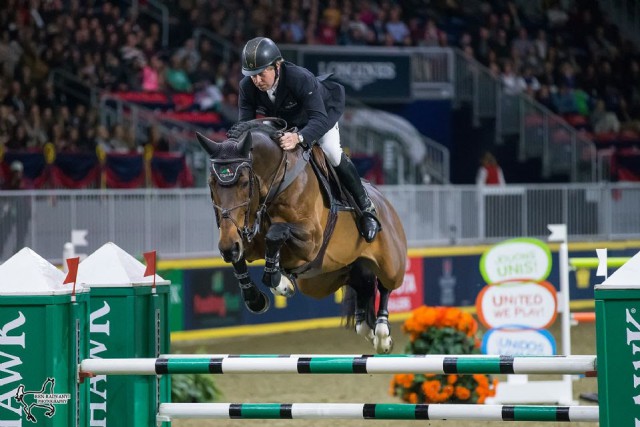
(42, 338)
(617, 308)
(176, 298)
(128, 320)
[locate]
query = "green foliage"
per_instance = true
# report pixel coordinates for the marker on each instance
(194, 388)
(444, 340)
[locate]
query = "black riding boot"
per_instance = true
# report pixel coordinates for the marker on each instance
(368, 224)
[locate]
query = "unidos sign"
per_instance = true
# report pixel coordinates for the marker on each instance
(516, 259)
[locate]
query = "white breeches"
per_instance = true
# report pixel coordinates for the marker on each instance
(330, 144)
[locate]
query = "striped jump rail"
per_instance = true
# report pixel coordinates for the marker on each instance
(376, 411)
(363, 364)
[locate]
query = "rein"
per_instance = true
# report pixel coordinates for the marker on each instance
(248, 233)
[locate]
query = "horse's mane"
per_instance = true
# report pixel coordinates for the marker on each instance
(238, 129)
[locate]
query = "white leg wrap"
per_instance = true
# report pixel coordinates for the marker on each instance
(382, 342)
(365, 331)
(285, 288)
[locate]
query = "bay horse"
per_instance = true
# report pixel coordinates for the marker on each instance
(275, 205)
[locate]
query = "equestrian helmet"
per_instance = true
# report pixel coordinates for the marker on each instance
(258, 54)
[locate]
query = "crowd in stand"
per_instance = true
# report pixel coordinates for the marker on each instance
(566, 54)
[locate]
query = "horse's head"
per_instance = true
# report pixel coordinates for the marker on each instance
(234, 191)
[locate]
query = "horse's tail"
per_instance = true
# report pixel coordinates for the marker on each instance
(358, 303)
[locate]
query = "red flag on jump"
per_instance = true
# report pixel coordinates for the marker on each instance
(150, 258)
(72, 266)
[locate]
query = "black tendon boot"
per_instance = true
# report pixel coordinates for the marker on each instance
(368, 224)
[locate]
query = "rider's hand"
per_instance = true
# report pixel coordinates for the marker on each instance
(289, 141)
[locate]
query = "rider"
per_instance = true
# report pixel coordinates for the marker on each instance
(273, 87)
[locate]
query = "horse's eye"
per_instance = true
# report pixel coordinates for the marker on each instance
(245, 184)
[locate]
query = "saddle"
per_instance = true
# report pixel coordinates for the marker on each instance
(337, 197)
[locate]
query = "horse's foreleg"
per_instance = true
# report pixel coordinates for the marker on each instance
(273, 278)
(255, 300)
(382, 340)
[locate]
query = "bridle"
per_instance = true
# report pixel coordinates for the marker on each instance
(246, 232)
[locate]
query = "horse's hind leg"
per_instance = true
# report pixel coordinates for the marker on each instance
(382, 340)
(374, 327)
(362, 283)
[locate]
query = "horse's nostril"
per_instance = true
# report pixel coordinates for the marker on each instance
(235, 252)
(231, 254)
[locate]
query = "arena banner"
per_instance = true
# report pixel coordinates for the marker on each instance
(410, 295)
(371, 76)
(211, 298)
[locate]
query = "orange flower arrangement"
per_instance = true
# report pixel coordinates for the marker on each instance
(442, 330)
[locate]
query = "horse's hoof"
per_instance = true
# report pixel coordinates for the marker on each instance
(382, 342)
(260, 305)
(285, 288)
(384, 345)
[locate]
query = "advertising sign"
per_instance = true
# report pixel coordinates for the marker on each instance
(212, 299)
(528, 304)
(411, 294)
(516, 259)
(377, 77)
(519, 342)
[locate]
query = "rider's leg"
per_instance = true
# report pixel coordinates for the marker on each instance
(368, 224)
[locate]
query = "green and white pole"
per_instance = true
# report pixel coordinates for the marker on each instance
(376, 411)
(365, 364)
(617, 308)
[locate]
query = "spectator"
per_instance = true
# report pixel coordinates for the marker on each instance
(20, 139)
(532, 85)
(327, 34)
(331, 15)
(397, 31)
(564, 101)
(513, 84)
(431, 34)
(293, 28)
(155, 138)
(545, 98)
(603, 121)
(176, 76)
(153, 75)
(489, 172)
(35, 127)
(207, 96)
(16, 173)
(522, 44)
(189, 56)
(541, 45)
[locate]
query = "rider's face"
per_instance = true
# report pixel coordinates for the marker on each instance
(265, 80)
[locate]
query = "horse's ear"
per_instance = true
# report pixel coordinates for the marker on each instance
(211, 147)
(244, 146)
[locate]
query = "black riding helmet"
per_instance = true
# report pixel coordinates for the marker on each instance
(258, 54)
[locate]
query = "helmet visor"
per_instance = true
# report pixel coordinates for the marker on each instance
(254, 71)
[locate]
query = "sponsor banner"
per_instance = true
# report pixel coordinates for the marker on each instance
(519, 342)
(211, 298)
(516, 259)
(410, 295)
(529, 304)
(372, 76)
